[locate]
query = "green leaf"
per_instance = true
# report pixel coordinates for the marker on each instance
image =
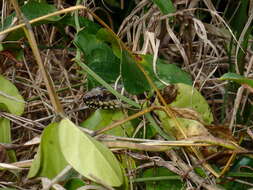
(104, 63)
(133, 79)
(106, 36)
(36, 164)
(31, 10)
(88, 25)
(168, 73)
(189, 97)
(101, 118)
(5, 137)
(34, 9)
(49, 161)
(166, 6)
(237, 78)
(99, 56)
(87, 42)
(106, 85)
(240, 174)
(200, 171)
(74, 184)
(5, 130)
(1, 47)
(240, 170)
(88, 156)
(239, 15)
(10, 98)
(161, 179)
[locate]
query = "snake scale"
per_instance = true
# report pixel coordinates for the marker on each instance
(101, 98)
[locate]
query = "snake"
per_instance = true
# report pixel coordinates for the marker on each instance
(101, 98)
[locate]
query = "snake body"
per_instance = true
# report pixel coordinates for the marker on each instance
(100, 97)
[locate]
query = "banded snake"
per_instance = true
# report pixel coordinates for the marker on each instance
(100, 97)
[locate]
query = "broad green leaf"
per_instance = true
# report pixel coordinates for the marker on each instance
(50, 161)
(161, 179)
(74, 184)
(31, 10)
(69, 20)
(104, 63)
(106, 85)
(101, 118)
(189, 97)
(87, 42)
(88, 156)
(133, 79)
(10, 98)
(98, 55)
(34, 9)
(166, 6)
(104, 35)
(237, 78)
(168, 73)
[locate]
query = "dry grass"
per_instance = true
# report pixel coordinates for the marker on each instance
(198, 47)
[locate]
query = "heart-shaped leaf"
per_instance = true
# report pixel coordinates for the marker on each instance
(10, 98)
(88, 156)
(49, 160)
(189, 97)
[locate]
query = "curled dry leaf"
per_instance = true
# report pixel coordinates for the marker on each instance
(187, 113)
(191, 128)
